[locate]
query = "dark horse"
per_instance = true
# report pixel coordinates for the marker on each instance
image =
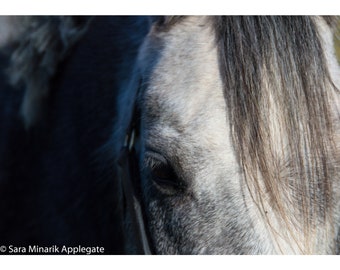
(53, 188)
(235, 121)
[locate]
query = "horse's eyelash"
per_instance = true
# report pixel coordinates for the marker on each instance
(151, 163)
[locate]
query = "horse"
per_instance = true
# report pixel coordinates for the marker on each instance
(171, 134)
(239, 135)
(60, 82)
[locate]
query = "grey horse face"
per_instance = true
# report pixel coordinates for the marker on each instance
(192, 186)
(196, 198)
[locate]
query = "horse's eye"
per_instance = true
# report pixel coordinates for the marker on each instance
(163, 175)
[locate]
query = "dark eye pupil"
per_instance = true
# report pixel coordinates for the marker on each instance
(164, 176)
(163, 172)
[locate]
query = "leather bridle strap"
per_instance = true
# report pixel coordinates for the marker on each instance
(135, 234)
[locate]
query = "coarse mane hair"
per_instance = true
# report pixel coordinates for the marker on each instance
(276, 87)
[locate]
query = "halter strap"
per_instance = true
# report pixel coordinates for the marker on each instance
(135, 233)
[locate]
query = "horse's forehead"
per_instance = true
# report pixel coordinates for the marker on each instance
(184, 110)
(184, 84)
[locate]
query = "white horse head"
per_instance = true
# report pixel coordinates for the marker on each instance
(240, 143)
